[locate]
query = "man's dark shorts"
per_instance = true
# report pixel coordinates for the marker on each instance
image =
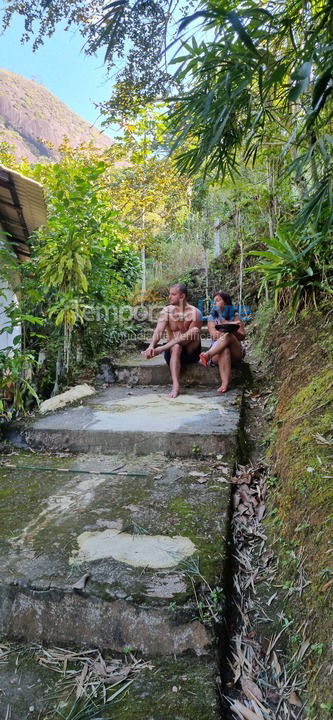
(185, 358)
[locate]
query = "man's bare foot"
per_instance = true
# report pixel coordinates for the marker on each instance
(151, 353)
(147, 354)
(222, 389)
(174, 392)
(204, 358)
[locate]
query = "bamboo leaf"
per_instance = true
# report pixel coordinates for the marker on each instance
(242, 33)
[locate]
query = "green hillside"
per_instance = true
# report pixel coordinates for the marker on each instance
(34, 122)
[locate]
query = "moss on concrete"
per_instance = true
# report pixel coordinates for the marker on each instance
(170, 689)
(44, 513)
(173, 690)
(26, 686)
(22, 492)
(300, 521)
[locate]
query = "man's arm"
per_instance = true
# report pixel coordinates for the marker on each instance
(157, 334)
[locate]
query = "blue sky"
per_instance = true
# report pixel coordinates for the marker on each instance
(61, 66)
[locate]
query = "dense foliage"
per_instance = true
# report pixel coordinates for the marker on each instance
(253, 86)
(107, 214)
(250, 123)
(259, 84)
(83, 265)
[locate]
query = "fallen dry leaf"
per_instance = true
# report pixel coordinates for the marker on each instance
(244, 712)
(275, 663)
(327, 586)
(242, 508)
(116, 678)
(99, 667)
(79, 689)
(304, 647)
(271, 598)
(250, 689)
(294, 699)
(260, 511)
(196, 473)
(245, 494)
(266, 557)
(224, 469)
(236, 499)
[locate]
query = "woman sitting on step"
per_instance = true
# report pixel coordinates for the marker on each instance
(226, 349)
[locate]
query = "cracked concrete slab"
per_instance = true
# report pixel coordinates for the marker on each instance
(142, 421)
(151, 502)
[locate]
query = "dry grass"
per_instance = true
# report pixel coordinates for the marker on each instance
(87, 683)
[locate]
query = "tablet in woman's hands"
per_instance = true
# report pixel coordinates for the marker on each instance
(227, 327)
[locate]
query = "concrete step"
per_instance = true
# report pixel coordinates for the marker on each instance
(182, 688)
(141, 421)
(136, 370)
(149, 538)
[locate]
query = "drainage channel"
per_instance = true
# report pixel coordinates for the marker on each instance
(259, 680)
(231, 616)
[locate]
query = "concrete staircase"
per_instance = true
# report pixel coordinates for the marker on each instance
(137, 502)
(136, 415)
(135, 370)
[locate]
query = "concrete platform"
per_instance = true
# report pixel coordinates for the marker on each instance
(182, 689)
(136, 370)
(144, 540)
(141, 421)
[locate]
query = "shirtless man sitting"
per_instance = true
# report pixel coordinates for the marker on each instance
(182, 323)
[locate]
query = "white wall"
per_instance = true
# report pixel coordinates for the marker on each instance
(7, 296)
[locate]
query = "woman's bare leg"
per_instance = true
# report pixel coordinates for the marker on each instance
(228, 340)
(223, 361)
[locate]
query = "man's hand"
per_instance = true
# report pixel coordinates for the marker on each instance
(149, 353)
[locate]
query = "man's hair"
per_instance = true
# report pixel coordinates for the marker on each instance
(181, 287)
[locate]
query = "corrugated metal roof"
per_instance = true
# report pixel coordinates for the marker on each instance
(22, 204)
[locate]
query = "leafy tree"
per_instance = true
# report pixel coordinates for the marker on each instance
(84, 256)
(146, 187)
(261, 76)
(245, 77)
(7, 156)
